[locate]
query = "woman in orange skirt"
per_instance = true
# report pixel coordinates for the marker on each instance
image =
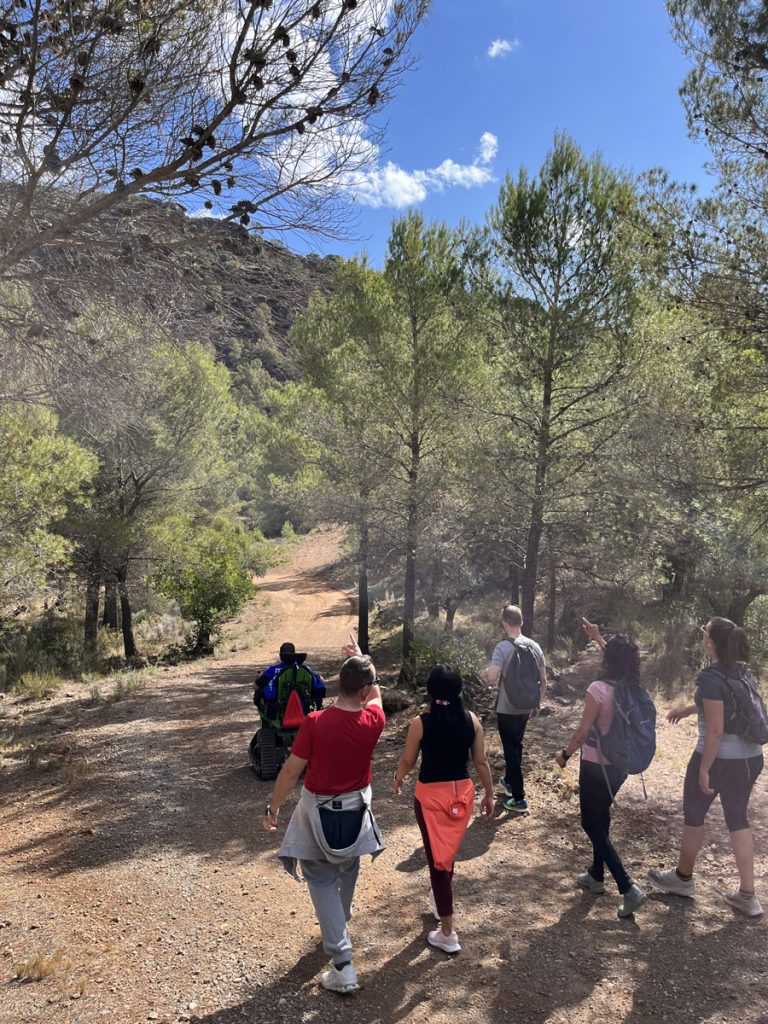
(447, 735)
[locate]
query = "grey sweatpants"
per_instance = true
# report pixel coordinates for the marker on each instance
(332, 887)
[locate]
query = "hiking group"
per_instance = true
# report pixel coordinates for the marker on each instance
(333, 824)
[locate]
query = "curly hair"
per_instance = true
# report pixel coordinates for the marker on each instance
(621, 659)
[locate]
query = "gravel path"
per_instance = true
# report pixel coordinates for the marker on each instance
(133, 864)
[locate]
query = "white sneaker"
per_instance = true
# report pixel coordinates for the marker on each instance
(433, 906)
(634, 898)
(670, 881)
(448, 943)
(586, 882)
(745, 904)
(341, 981)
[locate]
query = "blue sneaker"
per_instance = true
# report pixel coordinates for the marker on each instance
(516, 806)
(505, 787)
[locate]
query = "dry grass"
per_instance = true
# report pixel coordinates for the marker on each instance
(76, 989)
(40, 967)
(6, 745)
(129, 684)
(37, 685)
(77, 768)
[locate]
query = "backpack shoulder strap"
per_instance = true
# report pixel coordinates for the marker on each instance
(509, 654)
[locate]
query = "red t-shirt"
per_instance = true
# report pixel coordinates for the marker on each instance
(338, 745)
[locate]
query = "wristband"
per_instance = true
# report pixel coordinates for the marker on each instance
(269, 813)
(565, 757)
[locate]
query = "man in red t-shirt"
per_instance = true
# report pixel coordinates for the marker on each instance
(335, 746)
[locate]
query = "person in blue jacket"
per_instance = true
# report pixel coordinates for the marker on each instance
(265, 689)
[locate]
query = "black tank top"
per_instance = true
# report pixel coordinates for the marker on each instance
(446, 761)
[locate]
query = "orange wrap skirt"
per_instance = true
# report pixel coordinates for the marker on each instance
(447, 808)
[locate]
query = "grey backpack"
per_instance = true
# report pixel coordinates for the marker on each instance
(520, 675)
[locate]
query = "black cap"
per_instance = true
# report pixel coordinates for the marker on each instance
(286, 650)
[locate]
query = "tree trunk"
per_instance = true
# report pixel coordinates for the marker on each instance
(535, 529)
(531, 568)
(363, 603)
(203, 643)
(739, 603)
(551, 617)
(411, 541)
(409, 595)
(91, 622)
(514, 584)
(126, 615)
(451, 608)
(110, 601)
(433, 608)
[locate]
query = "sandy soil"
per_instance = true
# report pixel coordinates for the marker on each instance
(137, 859)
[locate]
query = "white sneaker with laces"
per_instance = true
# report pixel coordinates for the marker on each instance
(670, 881)
(448, 943)
(634, 898)
(586, 882)
(341, 981)
(745, 903)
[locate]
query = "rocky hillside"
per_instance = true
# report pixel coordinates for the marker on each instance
(252, 289)
(202, 278)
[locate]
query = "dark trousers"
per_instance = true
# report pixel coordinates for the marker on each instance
(511, 732)
(595, 799)
(731, 779)
(442, 881)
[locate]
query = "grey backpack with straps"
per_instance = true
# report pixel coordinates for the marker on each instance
(520, 675)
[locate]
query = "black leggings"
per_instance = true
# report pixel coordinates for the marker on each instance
(730, 778)
(595, 799)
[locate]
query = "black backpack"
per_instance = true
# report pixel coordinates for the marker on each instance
(748, 717)
(521, 676)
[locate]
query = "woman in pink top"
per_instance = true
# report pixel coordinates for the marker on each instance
(600, 781)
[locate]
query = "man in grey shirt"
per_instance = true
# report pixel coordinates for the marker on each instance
(512, 720)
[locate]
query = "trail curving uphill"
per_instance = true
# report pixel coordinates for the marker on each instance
(138, 859)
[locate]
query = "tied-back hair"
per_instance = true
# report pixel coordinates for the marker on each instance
(621, 659)
(730, 640)
(447, 708)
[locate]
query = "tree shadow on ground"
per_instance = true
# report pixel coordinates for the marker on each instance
(671, 961)
(182, 784)
(594, 960)
(386, 993)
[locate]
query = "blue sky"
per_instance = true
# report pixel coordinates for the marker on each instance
(605, 71)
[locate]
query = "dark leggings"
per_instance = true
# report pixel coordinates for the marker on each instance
(511, 732)
(595, 799)
(442, 881)
(731, 779)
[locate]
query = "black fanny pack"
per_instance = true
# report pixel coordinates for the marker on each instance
(340, 828)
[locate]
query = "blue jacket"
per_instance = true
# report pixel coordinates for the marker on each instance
(265, 688)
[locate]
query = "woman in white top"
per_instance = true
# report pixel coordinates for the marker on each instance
(600, 781)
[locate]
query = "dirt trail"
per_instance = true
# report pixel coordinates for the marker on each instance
(140, 857)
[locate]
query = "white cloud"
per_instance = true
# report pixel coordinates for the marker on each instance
(391, 186)
(489, 147)
(501, 47)
(388, 185)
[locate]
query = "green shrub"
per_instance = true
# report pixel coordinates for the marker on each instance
(37, 685)
(209, 573)
(287, 532)
(431, 646)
